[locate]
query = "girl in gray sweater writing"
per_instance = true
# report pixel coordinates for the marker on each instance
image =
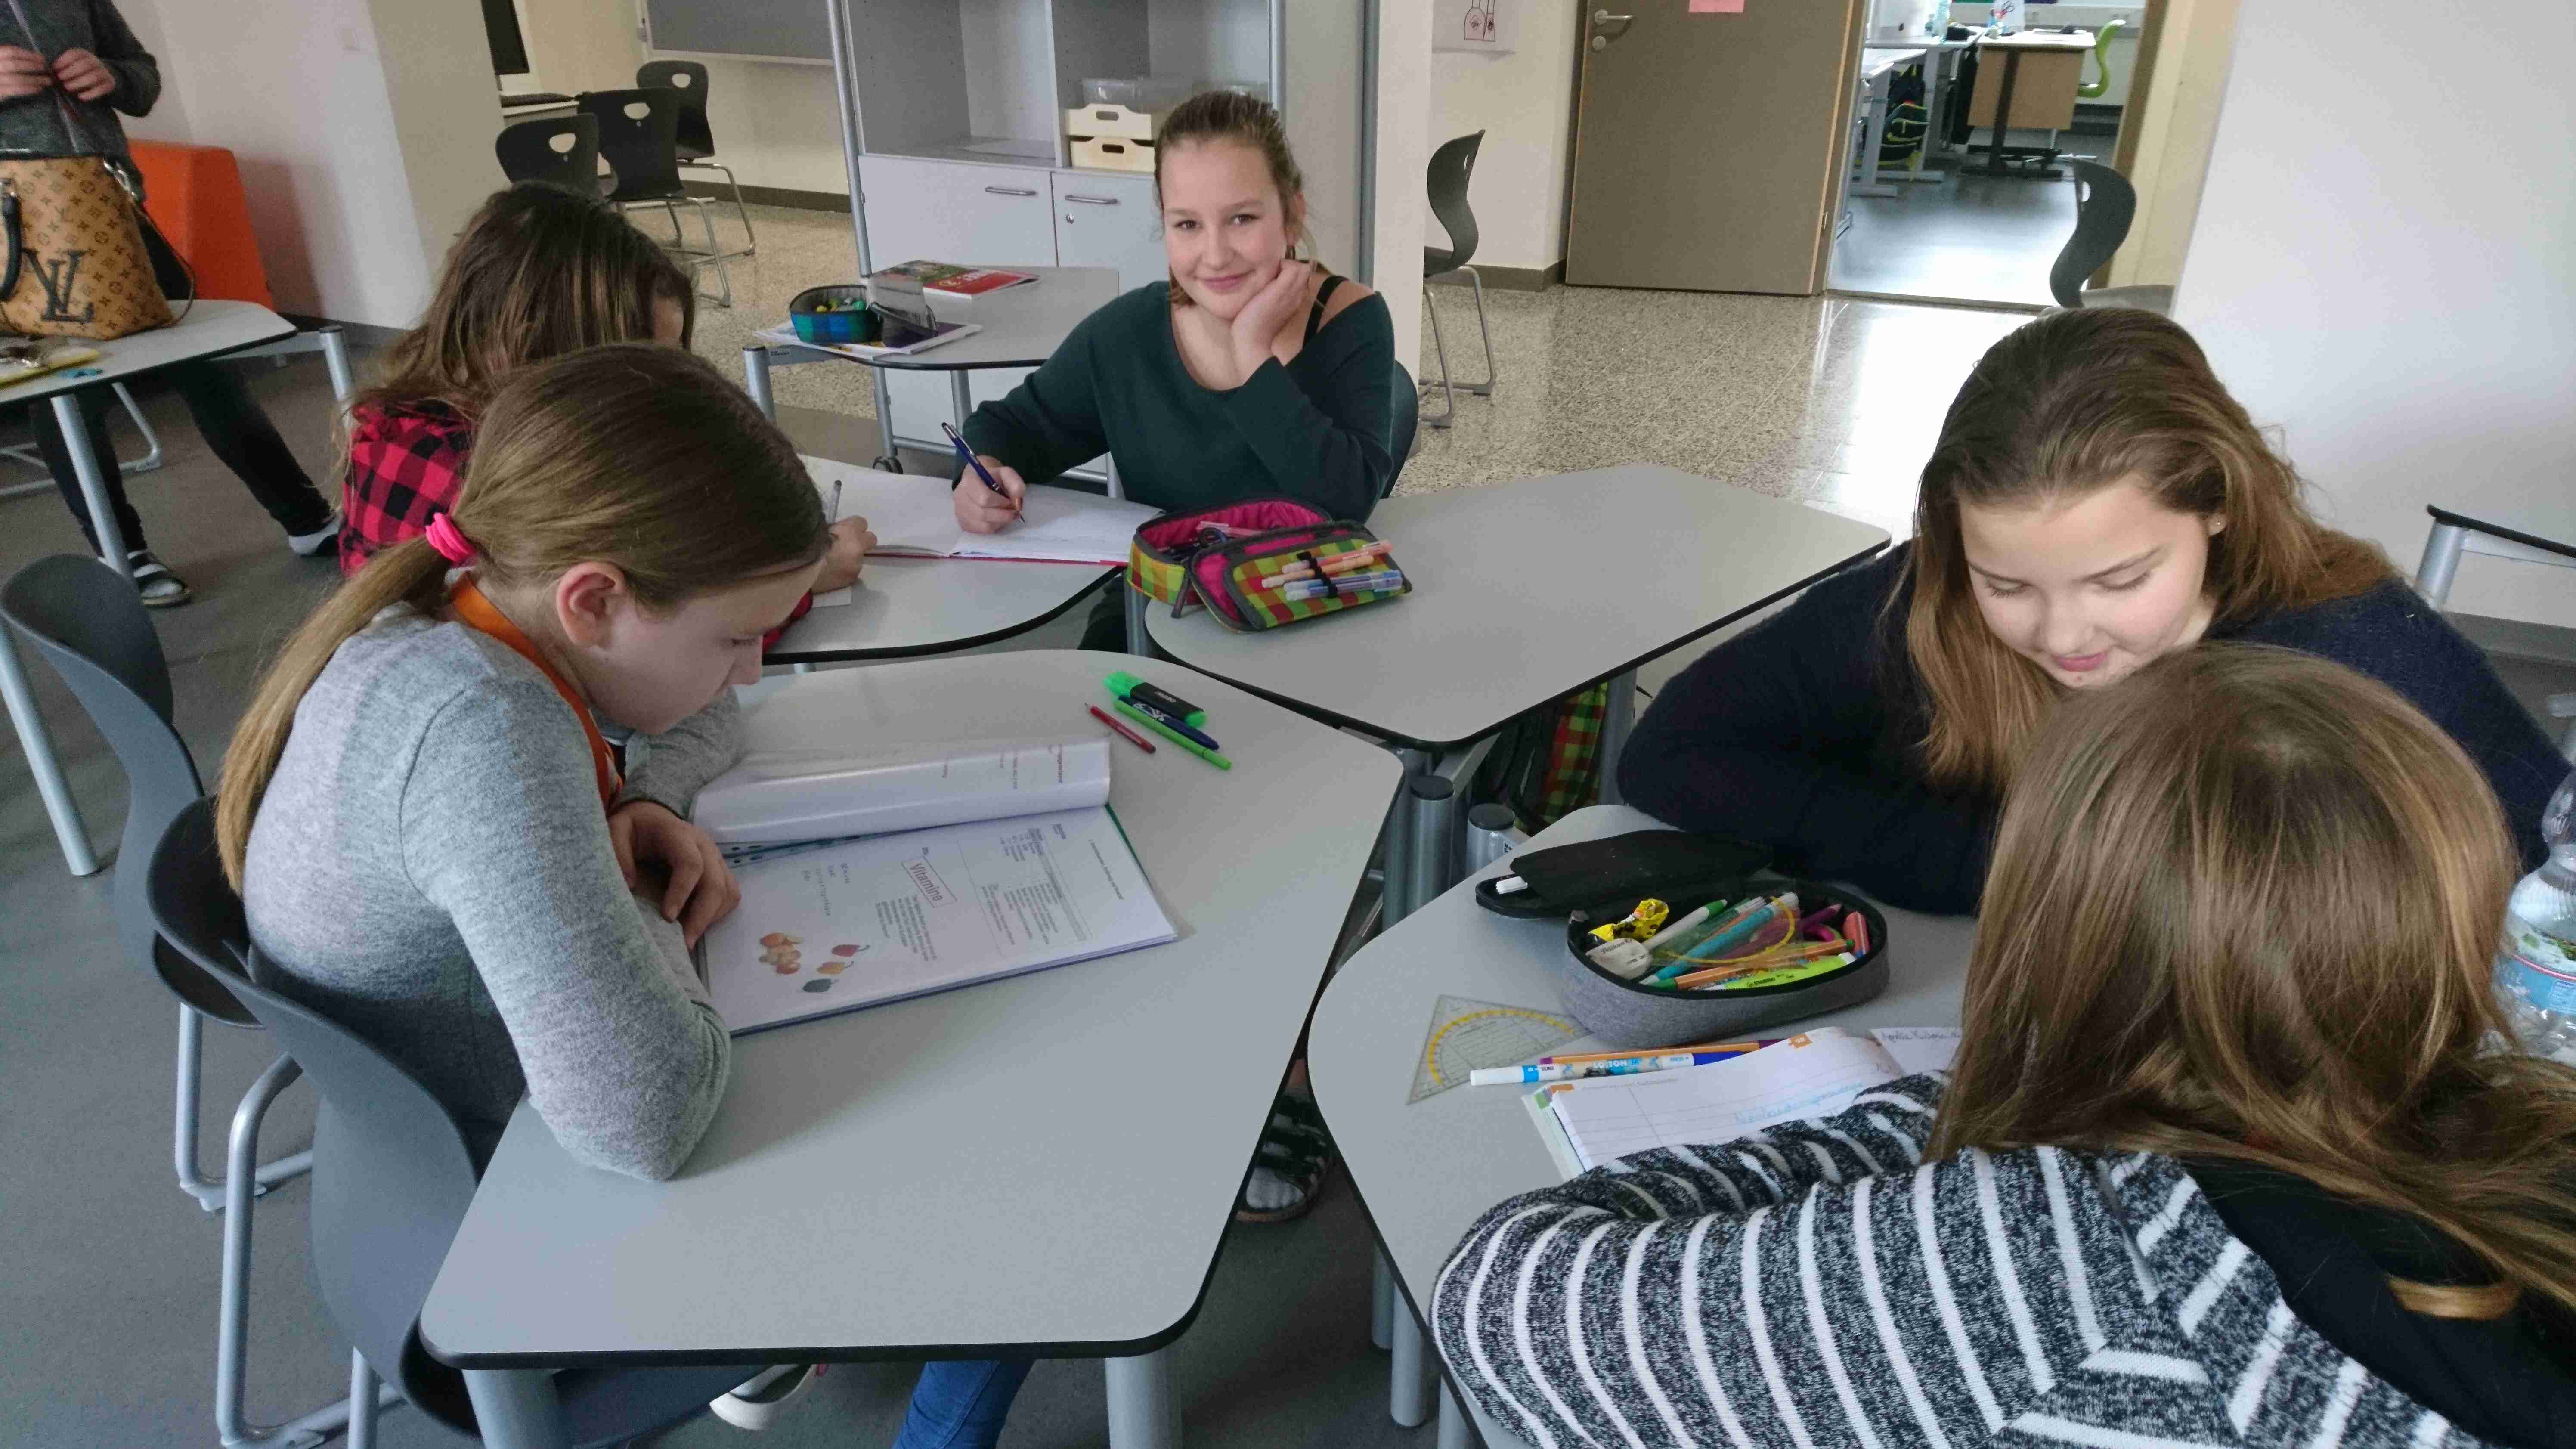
(2227, 1158)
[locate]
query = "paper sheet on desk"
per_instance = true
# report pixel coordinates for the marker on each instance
(912, 517)
(1814, 1074)
(865, 922)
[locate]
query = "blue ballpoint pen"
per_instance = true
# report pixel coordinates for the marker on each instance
(968, 454)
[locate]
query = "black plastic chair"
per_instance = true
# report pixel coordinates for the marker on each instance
(696, 141)
(639, 135)
(392, 1178)
(560, 150)
(84, 618)
(1408, 429)
(2105, 204)
(1451, 168)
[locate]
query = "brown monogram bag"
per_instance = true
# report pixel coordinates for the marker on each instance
(75, 264)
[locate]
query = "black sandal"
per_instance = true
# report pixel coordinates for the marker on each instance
(1296, 1148)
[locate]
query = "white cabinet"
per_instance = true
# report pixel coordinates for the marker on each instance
(953, 211)
(1105, 220)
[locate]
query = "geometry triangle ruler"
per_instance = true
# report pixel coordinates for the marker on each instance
(1466, 1034)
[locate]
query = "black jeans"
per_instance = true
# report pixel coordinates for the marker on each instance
(234, 427)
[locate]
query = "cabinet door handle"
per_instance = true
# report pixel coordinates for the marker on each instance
(1093, 200)
(1011, 190)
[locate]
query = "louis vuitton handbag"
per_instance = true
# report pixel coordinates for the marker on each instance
(75, 264)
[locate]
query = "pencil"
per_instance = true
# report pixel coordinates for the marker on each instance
(1138, 740)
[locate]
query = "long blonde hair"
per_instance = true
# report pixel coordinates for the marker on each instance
(636, 454)
(2068, 404)
(2245, 905)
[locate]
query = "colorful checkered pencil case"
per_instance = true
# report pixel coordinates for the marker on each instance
(1262, 563)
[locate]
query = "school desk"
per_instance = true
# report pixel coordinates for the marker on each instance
(1022, 325)
(1523, 593)
(1426, 1171)
(205, 329)
(1041, 1166)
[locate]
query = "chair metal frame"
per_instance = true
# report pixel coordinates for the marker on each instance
(2443, 546)
(693, 103)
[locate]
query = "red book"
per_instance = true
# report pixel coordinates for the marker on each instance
(945, 280)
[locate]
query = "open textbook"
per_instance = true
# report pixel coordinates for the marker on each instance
(939, 869)
(1815, 1074)
(913, 516)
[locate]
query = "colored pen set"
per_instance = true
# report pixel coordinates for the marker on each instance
(1721, 946)
(1363, 570)
(1164, 713)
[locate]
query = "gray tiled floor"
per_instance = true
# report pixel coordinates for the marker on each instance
(107, 1290)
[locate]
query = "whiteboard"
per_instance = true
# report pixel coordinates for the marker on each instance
(785, 29)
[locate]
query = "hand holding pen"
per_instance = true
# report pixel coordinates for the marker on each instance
(988, 494)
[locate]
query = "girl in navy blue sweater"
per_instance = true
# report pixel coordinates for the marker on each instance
(2096, 500)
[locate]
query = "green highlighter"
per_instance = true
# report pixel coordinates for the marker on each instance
(1127, 686)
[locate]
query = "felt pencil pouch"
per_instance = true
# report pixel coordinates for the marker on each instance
(1260, 563)
(1646, 1017)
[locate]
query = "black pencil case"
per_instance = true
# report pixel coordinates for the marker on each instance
(1663, 863)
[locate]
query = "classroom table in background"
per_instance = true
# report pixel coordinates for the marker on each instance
(205, 329)
(1523, 593)
(1022, 325)
(1086, 1128)
(2055, 111)
(1428, 1170)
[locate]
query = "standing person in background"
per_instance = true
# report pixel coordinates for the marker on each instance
(66, 68)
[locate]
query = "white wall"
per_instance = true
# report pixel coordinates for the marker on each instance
(2401, 296)
(350, 160)
(1404, 90)
(1524, 103)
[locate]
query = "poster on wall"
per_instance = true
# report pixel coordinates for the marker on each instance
(1488, 27)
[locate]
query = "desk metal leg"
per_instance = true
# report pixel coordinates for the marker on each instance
(1455, 1431)
(93, 484)
(50, 787)
(1408, 1399)
(517, 1409)
(887, 459)
(2003, 115)
(1618, 719)
(1381, 1301)
(1396, 899)
(1139, 643)
(755, 380)
(960, 399)
(1864, 180)
(1431, 799)
(1141, 1414)
(2441, 560)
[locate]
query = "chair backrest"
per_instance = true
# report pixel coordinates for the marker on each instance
(391, 1173)
(1451, 167)
(563, 150)
(1408, 423)
(687, 79)
(639, 135)
(2100, 84)
(84, 618)
(2105, 203)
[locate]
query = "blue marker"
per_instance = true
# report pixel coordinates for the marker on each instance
(968, 454)
(1168, 720)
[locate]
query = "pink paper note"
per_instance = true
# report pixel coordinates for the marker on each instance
(1717, 7)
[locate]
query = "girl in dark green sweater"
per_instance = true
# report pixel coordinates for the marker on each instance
(1250, 372)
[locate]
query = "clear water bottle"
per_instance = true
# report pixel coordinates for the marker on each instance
(2536, 970)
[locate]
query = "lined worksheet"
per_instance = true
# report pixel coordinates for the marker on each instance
(1814, 1074)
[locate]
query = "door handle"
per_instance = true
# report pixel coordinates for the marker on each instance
(1093, 200)
(1011, 190)
(1603, 17)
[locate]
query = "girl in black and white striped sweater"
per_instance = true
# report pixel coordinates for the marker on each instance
(2223, 1161)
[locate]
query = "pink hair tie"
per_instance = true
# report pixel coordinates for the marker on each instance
(451, 545)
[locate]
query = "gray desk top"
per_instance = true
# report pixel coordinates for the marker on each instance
(211, 328)
(1042, 1164)
(1428, 1170)
(908, 606)
(1881, 59)
(1528, 591)
(1022, 325)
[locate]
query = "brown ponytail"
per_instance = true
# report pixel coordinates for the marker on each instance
(636, 454)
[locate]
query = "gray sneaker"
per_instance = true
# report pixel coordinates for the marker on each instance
(159, 588)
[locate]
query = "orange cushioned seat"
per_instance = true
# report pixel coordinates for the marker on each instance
(195, 196)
